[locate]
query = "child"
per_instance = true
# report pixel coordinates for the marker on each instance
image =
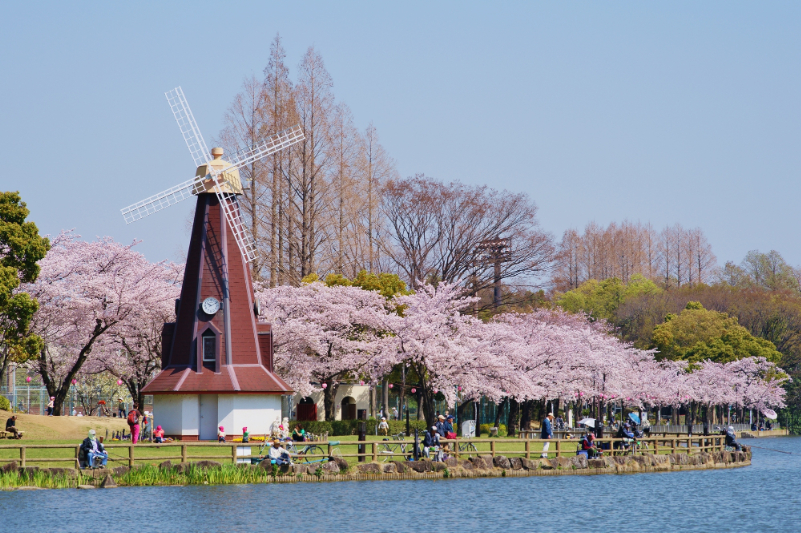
(158, 435)
(221, 434)
(383, 427)
(245, 434)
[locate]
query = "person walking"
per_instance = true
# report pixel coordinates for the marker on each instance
(50, 406)
(133, 422)
(120, 408)
(547, 433)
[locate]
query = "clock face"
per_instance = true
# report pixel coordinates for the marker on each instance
(210, 306)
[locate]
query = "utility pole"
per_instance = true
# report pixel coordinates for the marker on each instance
(495, 252)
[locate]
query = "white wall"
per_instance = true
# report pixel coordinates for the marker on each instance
(254, 411)
(177, 414)
(361, 393)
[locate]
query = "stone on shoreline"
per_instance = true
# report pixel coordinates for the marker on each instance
(166, 465)
(502, 462)
(9, 467)
(369, 468)
(420, 466)
(108, 482)
(207, 464)
(400, 466)
(528, 464)
(331, 467)
(120, 470)
(516, 463)
(27, 471)
(390, 468)
(341, 463)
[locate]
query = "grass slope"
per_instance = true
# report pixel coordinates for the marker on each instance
(59, 428)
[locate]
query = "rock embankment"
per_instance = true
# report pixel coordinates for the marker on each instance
(337, 469)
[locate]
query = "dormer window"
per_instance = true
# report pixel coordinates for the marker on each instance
(209, 347)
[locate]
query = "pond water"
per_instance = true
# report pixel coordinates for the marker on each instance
(762, 497)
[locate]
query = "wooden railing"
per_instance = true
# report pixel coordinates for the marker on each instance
(386, 450)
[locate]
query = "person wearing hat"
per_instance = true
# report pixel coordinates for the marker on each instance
(221, 434)
(547, 433)
(588, 445)
(430, 441)
(245, 434)
(383, 426)
(440, 425)
(158, 435)
(278, 455)
(448, 425)
(92, 449)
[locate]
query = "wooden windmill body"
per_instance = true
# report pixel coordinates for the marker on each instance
(217, 357)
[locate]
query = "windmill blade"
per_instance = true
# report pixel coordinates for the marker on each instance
(233, 215)
(279, 141)
(159, 201)
(186, 122)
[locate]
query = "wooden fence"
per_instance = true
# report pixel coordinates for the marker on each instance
(373, 450)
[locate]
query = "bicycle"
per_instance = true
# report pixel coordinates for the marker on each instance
(467, 446)
(387, 450)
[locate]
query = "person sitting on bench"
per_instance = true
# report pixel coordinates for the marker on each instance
(278, 455)
(731, 438)
(11, 427)
(92, 449)
(588, 445)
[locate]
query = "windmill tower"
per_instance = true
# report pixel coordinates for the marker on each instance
(217, 357)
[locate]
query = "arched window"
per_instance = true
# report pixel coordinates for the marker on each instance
(209, 347)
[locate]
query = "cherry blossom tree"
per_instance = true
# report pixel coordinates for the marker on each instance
(132, 350)
(85, 291)
(323, 335)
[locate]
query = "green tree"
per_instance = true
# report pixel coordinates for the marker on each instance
(601, 299)
(389, 285)
(697, 334)
(21, 247)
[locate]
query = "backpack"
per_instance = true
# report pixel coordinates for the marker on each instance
(132, 417)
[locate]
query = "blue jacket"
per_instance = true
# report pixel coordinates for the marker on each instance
(431, 438)
(547, 430)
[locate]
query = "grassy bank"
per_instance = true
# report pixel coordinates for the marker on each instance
(39, 428)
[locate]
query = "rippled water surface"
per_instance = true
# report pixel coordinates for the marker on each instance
(762, 497)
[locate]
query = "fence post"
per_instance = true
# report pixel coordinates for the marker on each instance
(375, 452)
(233, 452)
(656, 447)
(492, 447)
(528, 448)
(77, 454)
(131, 456)
(329, 448)
(22, 455)
(456, 449)
(673, 445)
(183, 453)
(558, 448)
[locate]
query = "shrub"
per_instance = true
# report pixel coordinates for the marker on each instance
(502, 432)
(484, 429)
(351, 427)
(5, 405)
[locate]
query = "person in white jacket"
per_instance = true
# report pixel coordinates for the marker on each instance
(278, 455)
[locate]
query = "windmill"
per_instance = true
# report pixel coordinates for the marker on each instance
(217, 177)
(217, 357)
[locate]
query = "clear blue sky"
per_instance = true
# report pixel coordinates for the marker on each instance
(670, 112)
